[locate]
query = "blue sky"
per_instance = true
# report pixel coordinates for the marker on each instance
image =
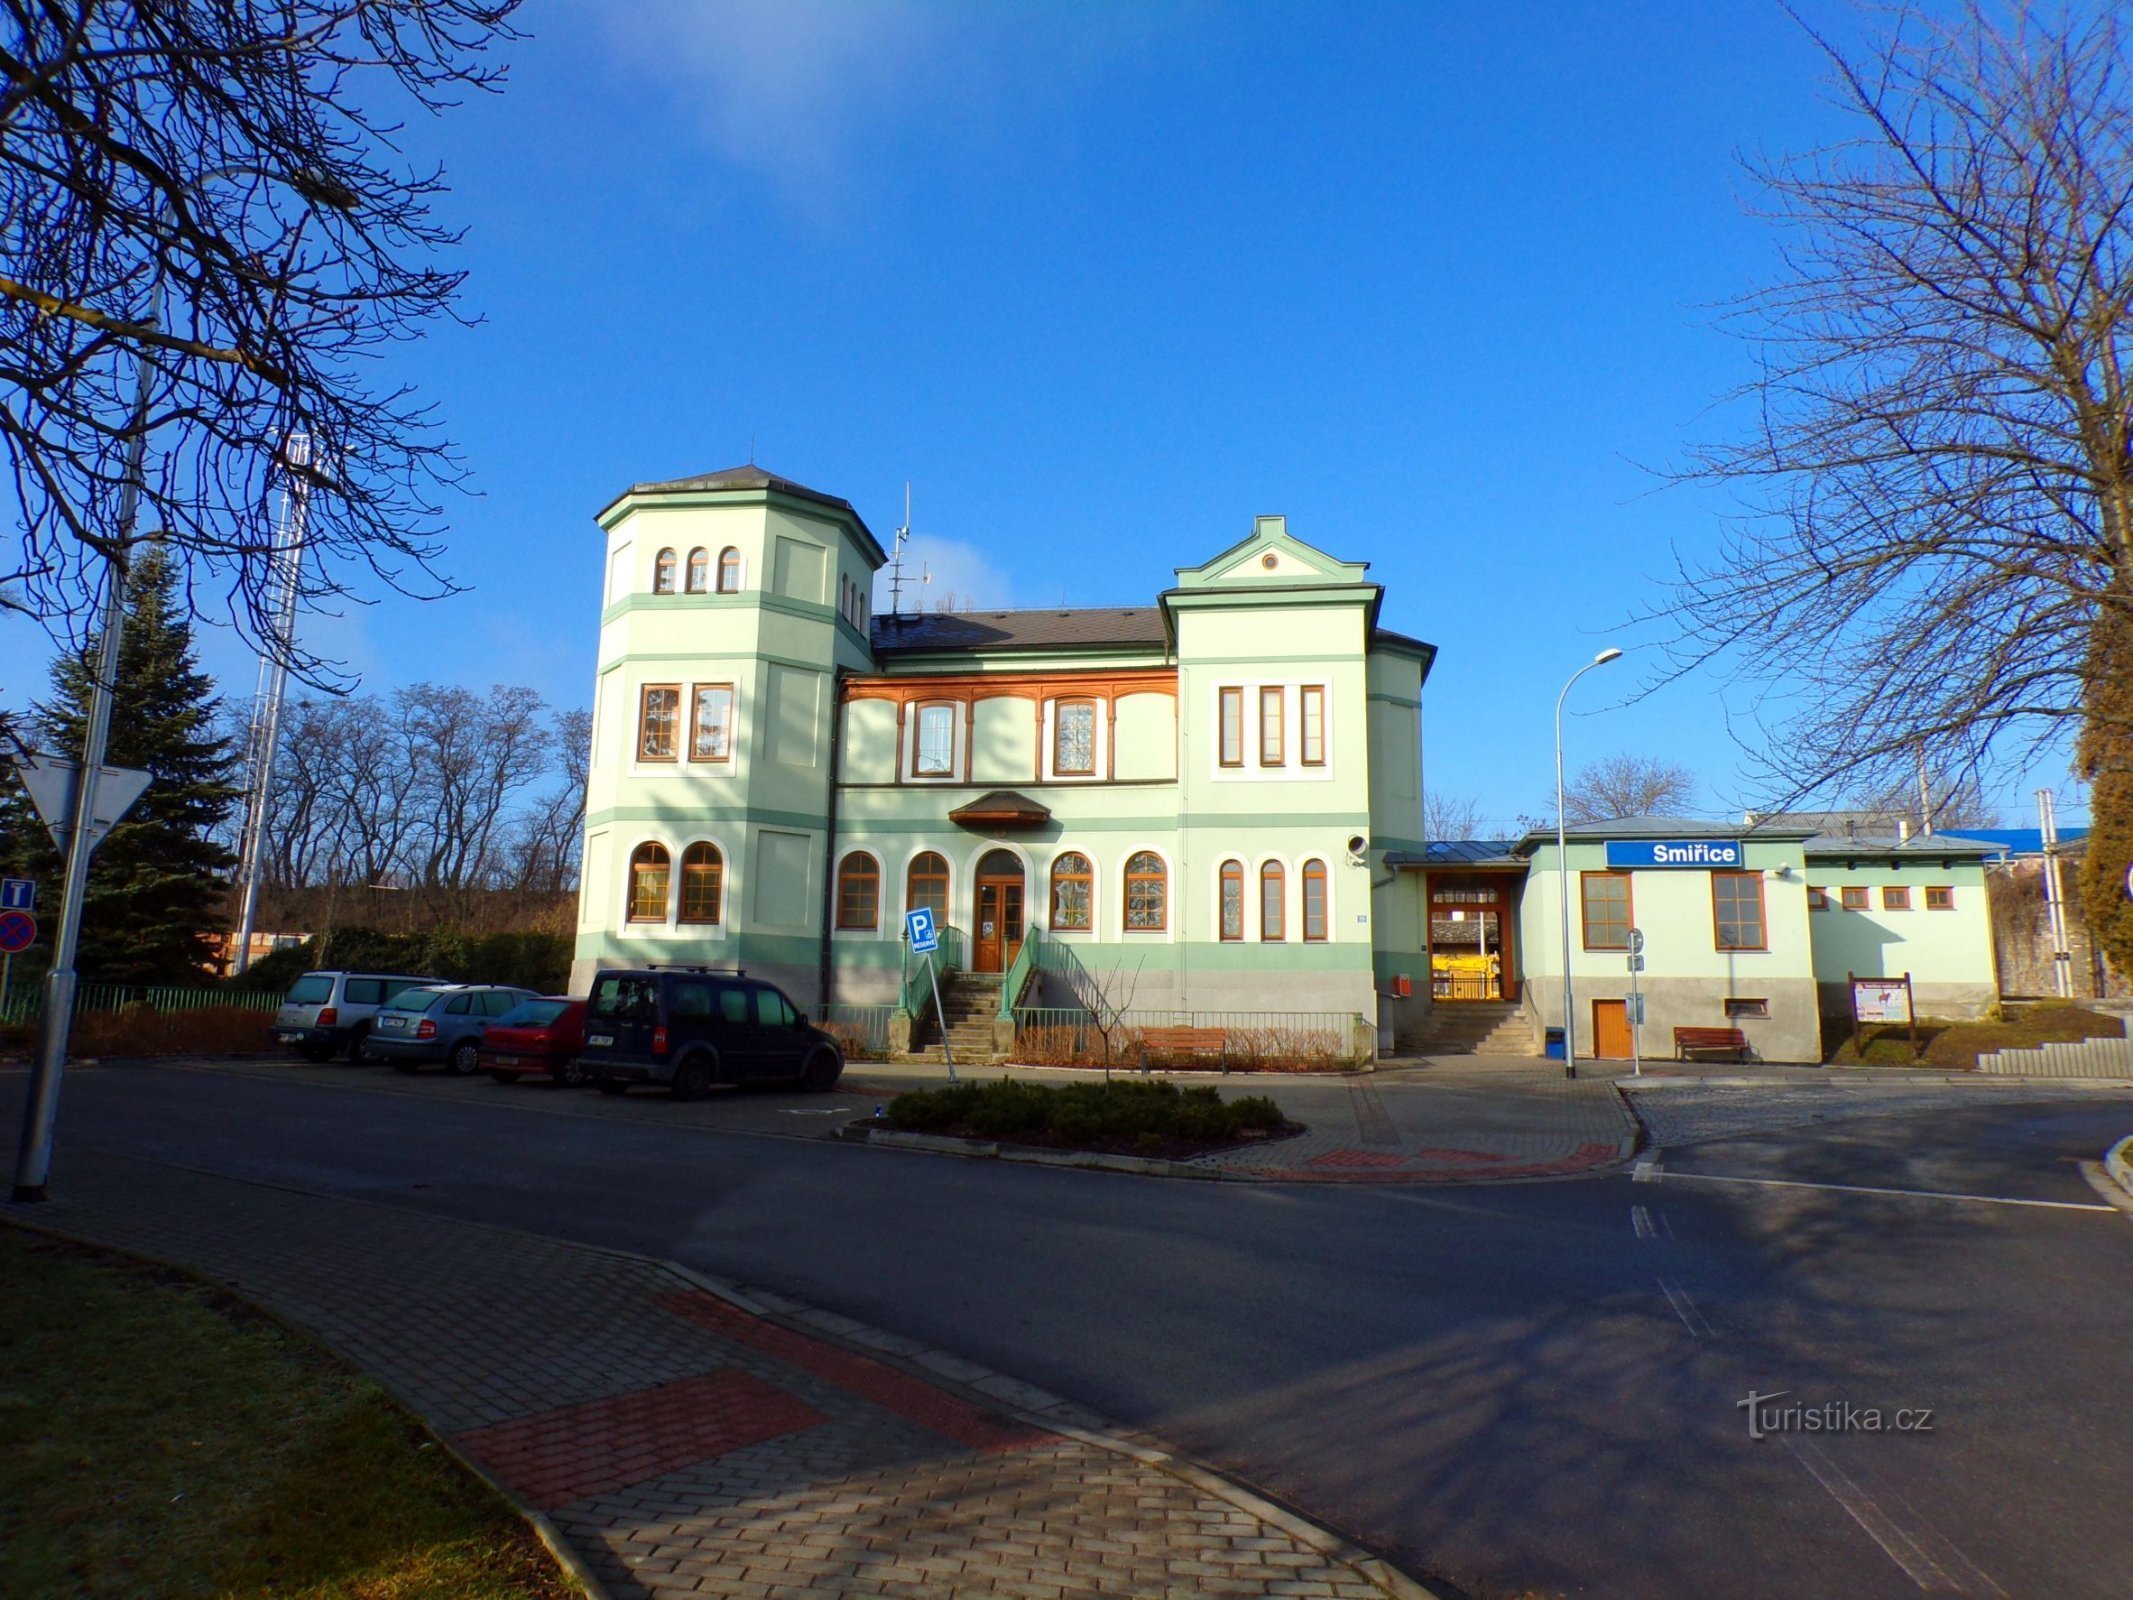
(1103, 282)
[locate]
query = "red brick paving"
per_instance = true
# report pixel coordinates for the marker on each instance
(572, 1453)
(906, 1396)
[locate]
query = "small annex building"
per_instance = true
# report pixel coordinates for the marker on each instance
(1180, 809)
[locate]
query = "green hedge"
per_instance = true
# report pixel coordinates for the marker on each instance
(1006, 1109)
(530, 960)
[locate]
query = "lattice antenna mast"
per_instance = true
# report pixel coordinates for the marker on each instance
(896, 557)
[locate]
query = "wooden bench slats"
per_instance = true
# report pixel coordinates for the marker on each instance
(1729, 1040)
(1184, 1041)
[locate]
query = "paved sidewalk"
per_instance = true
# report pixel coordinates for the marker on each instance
(691, 1438)
(1446, 1120)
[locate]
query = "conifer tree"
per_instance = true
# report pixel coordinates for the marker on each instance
(159, 880)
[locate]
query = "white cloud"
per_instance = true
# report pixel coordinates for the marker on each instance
(935, 569)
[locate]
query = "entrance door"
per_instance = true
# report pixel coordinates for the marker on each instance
(998, 935)
(1610, 1030)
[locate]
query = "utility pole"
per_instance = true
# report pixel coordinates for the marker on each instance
(2055, 896)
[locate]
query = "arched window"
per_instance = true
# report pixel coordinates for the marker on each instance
(1272, 898)
(699, 570)
(1073, 893)
(649, 865)
(859, 891)
(926, 885)
(844, 597)
(1147, 893)
(729, 571)
(703, 881)
(663, 573)
(1232, 900)
(1314, 875)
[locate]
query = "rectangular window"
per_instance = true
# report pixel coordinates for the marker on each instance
(1074, 738)
(1737, 911)
(1817, 899)
(659, 722)
(933, 750)
(1939, 897)
(711, 723)
(1270, 728)
(1232, 727)
(1606, 919)
(1895, 897)
(1854, 897)
(1746, 1008)
(1313, 715)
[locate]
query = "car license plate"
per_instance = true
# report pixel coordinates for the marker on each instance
(507, 1061)
(600, 1038)
(290, 1038)
(392, 1022)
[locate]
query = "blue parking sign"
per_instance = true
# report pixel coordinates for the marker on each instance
(18, 894)
(919, 929)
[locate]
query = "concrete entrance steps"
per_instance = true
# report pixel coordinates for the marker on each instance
(1478, 1028)
(969, 1002)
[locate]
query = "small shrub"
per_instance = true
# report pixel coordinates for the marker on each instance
(1140, 1115)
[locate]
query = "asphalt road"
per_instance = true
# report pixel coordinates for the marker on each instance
(1513, 1390)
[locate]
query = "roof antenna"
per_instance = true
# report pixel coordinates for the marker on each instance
(896, 558)
(751, 447)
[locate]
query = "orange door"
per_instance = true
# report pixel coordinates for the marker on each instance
(999, 932)
(1610, 1030)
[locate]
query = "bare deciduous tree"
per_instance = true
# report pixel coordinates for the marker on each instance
(1627, 786)
(550, 834)
(1939, 493)
(1451, 816)
(205, 197)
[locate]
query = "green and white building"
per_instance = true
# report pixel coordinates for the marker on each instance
(1193, 808)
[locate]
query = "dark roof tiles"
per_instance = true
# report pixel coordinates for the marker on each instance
(1090, 627)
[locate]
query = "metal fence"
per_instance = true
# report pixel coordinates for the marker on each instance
(862, 1029)
(1072, 1034)
(24, 1001)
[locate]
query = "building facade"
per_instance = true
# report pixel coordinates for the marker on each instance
(1190, 806)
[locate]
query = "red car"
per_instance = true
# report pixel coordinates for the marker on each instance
(536, 1037)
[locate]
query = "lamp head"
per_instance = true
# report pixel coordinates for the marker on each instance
(1605, 656)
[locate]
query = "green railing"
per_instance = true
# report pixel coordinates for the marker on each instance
(862, 1029)
(1074, 1034)
(917, 991)
(1028, 958)
(24, 1001)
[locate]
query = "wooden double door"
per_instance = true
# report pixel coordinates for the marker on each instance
(997, 929)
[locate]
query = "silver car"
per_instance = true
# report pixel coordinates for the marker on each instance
(442, 1022)
(325, 1013)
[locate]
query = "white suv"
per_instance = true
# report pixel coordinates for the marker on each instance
(325, 1013)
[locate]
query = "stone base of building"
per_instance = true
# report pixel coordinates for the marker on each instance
(1791, 1030)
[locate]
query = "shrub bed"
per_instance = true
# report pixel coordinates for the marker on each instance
(1265, 1049)
(1142, 1119)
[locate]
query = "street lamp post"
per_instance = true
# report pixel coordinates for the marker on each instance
(1562, 863)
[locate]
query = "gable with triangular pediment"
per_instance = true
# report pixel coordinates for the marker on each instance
(1271, 555)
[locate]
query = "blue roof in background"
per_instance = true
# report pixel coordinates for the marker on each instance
(2018, 841)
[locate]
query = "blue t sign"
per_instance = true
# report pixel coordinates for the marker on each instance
(919, 929)
(18, 894)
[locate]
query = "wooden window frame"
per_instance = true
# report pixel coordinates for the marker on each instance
(1629, 909)
(696, 572)
(1817, 898)
(1086, 877)
(1762, 914)
(1946, 891)
(1059, 711)
(1741, 1005)
(846, 877)
(644, 704)
(739, 578)
(1895, 897)
(1229, 699)
(1275, 874)
(693, 869)
(947, 880)
(1231, 871)
(1315, 869)
(665, 571)
(1845, 893)
(696, 695)
(1311, 697)
(1273, 695)
(918, 741)
(665, 867)
(1161, 878)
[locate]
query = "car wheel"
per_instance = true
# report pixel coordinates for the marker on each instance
(404, 1066)
(504, 1077)
(613, 1086)
(571, 1074)
(822, 1071)
(695, 1078)
(465, 1056)
(358, 1047)
(315, 1053)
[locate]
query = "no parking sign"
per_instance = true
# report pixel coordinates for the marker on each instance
(18, 931)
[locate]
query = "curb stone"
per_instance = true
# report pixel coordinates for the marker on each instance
(987, 1150)
(978, 1384)
(2118, 1162)
(565, 1554)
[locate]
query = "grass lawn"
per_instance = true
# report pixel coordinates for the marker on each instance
(1959, 1044)
(160, 1438)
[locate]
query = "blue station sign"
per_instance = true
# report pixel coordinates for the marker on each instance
(1691, 853)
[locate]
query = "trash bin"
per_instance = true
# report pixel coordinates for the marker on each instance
(1553, 1049)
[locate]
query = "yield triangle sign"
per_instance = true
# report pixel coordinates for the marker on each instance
(51, 783)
